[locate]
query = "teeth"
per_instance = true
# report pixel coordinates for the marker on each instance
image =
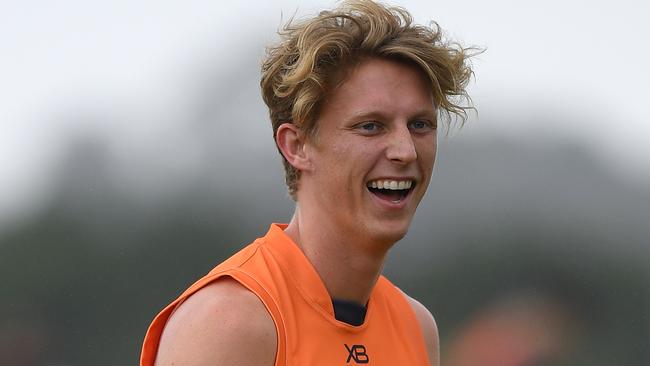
(391, 184)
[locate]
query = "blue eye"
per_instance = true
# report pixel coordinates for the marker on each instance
(369, 127)
(421, 126)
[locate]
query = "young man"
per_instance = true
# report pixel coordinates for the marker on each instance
(354, 95)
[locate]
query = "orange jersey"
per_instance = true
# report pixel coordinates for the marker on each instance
(277, 271)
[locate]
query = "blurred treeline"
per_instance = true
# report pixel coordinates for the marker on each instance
(543, 250)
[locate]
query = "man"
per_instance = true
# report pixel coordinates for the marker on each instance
(354, 94)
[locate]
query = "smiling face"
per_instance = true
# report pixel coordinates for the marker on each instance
(371, 159)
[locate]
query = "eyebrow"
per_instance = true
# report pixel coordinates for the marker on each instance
(374, 114)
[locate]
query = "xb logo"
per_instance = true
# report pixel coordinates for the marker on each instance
(357, 352)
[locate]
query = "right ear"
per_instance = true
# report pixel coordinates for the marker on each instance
(291, 142)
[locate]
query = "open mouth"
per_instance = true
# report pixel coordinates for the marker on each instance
(391, 190)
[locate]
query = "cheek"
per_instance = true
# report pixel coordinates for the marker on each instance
(434, 153)
(427, 152)
(334, 166)
(342, 156)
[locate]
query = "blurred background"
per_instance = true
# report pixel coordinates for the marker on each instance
(136, 153)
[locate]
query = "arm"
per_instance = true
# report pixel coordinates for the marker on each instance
(222, 324)
(429, 330)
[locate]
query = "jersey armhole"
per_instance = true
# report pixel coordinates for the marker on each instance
(152, 338)
(271, 307)
(415, 322)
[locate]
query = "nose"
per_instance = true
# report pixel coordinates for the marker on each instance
(401, 147)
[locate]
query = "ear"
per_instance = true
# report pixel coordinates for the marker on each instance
(291, 142)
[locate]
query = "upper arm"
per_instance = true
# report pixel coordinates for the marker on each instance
(222, 324)
(429, 330)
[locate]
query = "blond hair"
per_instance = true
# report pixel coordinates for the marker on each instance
(305, 65)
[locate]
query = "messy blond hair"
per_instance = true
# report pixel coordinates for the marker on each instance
(304, 66)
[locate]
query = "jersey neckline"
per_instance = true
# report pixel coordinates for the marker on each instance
(304, 277)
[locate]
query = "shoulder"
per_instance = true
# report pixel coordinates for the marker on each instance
(429, 329)
(223, 323)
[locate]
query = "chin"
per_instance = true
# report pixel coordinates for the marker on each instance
(389, 234)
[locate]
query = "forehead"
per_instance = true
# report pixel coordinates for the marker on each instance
(382, 86)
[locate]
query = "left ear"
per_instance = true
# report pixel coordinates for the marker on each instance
(292, 143)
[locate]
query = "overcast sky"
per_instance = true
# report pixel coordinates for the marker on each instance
(586, 59)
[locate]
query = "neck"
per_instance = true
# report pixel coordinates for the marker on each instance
(348, 268)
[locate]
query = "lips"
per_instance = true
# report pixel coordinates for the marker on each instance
(391, 184)
(391, 190)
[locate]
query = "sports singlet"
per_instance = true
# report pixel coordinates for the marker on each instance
(275, 269)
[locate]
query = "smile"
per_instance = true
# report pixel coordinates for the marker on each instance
(391, 190)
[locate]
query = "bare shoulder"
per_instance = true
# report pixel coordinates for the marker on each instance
(222, 324)
(429, 329)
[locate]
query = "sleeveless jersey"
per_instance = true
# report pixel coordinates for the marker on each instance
(276, 270)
